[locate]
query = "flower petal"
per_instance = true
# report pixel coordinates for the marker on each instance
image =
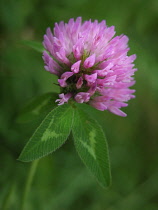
(89, 62)
(76, 67)
(82, 97)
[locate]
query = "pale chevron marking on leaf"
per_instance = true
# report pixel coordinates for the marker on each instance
(92, 136)
(49, 133)
(91, 146)
(38, 108)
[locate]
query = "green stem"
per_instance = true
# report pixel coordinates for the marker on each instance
(28, 183)
(8, 196)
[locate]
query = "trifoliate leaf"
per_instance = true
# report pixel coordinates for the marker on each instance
(91, 145)
(39, 106)
(34, 45)
(50, 135)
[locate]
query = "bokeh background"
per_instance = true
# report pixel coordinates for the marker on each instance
(61, 181)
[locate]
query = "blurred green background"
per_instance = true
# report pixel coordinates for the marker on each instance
(62, 182)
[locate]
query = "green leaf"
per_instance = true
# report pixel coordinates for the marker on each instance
(38, 107)
(50, 135)
(34, 45)
(91, 145)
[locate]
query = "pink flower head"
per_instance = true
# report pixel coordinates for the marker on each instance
(91, 64)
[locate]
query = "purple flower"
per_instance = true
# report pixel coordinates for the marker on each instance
(91, 64)
(63, 98)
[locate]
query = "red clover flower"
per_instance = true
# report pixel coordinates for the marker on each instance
(92, 65)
